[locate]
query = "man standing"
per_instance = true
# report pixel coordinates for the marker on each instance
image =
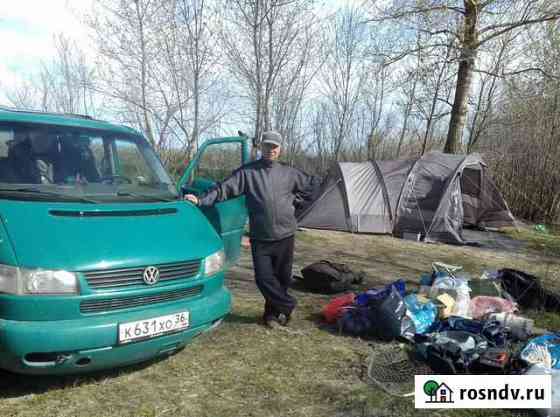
(270, 189)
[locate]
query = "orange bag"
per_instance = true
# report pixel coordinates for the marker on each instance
(333, 310)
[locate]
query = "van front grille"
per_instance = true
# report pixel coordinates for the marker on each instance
(111, 304)
(112, 278)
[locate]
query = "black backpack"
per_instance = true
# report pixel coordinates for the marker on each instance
(527, 290)
(330, 277)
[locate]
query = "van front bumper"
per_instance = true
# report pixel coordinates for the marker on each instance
(91, 343)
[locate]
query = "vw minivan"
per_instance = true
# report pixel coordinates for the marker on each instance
(102, 263)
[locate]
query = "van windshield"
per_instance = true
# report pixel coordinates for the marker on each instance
(58, 163)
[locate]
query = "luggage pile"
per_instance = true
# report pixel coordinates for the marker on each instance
(459, 325)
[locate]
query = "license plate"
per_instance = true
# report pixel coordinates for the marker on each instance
(157, 326)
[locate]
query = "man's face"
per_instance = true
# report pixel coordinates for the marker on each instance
(270, 152)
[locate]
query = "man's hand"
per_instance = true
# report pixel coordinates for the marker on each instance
(192, 198)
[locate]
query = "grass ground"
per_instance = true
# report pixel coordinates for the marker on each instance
(243, 369)
(545, 243)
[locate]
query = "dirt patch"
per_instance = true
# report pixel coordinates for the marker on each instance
(489, 240)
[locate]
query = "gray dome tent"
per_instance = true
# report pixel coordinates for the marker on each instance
(434, 196)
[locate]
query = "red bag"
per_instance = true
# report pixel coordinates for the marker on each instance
(333, 310)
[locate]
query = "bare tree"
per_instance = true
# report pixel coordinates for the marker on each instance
(344, 74)
(126, 38)
(435, 82)
(261, 39)
(184, 77)
(375, 93)
(487, 89)
(196, 48)
(409, 93)
(158, 62)
(289, 96)
(64, 83)
(521, 143)
(317, 119)
(471, 24)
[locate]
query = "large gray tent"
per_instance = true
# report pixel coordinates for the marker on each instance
(434, 196)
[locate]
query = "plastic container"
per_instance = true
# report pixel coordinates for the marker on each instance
(457, 288)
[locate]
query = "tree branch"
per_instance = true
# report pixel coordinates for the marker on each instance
(507, 27)
(508, 74)
(414, 11)
(392, 59)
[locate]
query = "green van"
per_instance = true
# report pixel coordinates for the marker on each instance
(101, 262)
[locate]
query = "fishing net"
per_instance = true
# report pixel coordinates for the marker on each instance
(392, 367)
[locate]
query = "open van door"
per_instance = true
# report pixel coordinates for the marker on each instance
(215, 160)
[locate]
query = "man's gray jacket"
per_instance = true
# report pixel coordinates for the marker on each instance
(270, 188)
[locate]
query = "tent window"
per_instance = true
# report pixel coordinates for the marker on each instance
(470, 182)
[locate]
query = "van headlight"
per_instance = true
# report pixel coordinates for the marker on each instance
(214, 263)
(22, 281)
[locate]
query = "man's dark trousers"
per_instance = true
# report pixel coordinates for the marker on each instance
(272, 261)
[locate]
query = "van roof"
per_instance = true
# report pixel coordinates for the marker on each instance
(8, 114)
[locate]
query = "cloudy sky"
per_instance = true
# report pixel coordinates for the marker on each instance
(27, 29)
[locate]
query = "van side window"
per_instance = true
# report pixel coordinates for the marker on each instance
(6, 137)
(219, 161)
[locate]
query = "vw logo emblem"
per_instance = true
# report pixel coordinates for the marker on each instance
(151, 275)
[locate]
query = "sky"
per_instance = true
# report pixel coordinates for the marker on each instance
(28, 27)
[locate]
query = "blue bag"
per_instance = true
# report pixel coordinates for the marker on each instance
(551, 342)
(374, 294)
(423, 315)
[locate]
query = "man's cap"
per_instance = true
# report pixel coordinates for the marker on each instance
(274, 138)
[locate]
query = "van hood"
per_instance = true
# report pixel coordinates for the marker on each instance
(81, 237)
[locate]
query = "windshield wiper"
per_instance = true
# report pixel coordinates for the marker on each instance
(147, 196)
(61, 196)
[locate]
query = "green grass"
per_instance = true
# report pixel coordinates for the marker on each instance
(545, 243)
(244, 369)
(544, 320)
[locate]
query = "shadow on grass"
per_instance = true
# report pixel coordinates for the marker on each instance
(240, 319)
(18, 385)
(317, 319)
(332, 328)
(298, 285)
